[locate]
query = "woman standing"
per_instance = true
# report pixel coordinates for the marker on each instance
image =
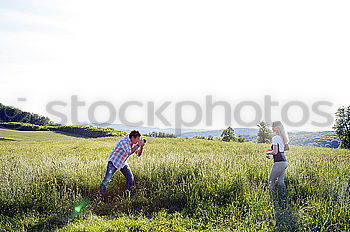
(279, 145)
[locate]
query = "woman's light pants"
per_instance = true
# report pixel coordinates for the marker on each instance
(278, 171)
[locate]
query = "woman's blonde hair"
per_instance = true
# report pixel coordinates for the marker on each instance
(280, 129)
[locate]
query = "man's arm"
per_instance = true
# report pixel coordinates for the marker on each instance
(140, 143)
(139, 151)
(134, 148)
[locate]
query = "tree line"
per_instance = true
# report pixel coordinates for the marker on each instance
(12, 114)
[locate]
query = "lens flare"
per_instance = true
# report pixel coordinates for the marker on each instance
(80, 206)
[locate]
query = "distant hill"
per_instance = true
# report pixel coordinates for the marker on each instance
(142, 129)
(317, 139)
(217, 133)
(299, 138)
(10, 114)
(185, 132)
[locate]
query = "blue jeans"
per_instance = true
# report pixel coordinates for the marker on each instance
(109, 174)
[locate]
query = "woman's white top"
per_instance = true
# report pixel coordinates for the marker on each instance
(277, 139)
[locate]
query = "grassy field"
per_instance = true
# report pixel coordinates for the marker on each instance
(50, 182)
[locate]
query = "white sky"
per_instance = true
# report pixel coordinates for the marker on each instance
(158, 51)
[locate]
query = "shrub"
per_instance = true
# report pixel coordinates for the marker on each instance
(85, 131)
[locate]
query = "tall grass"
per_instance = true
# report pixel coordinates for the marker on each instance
(182, 185)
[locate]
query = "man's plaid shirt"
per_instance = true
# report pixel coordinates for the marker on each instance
(121, 153)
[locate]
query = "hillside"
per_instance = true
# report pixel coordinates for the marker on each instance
(50, 182)
(317, 139)
(299, 138)
(302, 138)
(217, 133)
(79, 131)
(142, 129)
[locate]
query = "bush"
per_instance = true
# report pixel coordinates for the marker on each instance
(22, 126)
(240, 139)
(85, 131)
(199, 137)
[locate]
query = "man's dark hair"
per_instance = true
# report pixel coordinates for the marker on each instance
(134, 133)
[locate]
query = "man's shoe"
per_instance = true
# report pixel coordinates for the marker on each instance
(102, 192)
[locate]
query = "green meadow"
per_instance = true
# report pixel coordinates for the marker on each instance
(50, 181)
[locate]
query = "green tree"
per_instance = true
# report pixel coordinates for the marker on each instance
(228, 134)
(12, 114)
(264, 133)
(240, 139)
(342, 126)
